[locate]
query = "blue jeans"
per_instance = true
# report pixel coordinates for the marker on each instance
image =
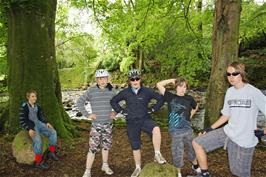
(41, 128)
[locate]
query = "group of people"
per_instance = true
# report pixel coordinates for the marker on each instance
(239, 136)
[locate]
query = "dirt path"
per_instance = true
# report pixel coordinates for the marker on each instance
(73, 158)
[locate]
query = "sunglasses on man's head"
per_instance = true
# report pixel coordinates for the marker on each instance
(233, 73)
(134, 79)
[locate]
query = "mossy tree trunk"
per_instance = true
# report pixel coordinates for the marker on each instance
(224, 50)
(32, 62)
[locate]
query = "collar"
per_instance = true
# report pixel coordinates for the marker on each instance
(135, 91)
(29, 105)
(108, 86)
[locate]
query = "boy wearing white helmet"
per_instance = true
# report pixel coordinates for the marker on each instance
(102, 117)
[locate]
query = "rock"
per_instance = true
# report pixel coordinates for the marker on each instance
(123, 85)
(68, 109)
(69, 103)
(22, 148)
(84, 87)
(79, 114)
(157, 170)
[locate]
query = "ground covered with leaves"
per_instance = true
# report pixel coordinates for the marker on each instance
(73, 157)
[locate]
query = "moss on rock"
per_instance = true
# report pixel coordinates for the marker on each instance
(157, 170)
(22, 148)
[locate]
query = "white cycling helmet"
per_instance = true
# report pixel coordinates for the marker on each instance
(133, 73)
(101, 73)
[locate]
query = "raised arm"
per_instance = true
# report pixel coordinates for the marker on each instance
(161, 85)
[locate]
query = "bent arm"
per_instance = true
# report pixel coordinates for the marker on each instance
(193, 111)
(115, 102)
(81, 104)
(223, 119)
(161, 85)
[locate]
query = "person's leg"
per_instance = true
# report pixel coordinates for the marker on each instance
(52, 136)
(177, 148)
(134, 134)
(206, 143)
(188, 138)
(200, 154)
(150, 127)
(240, 159)
(89, 162)
(156, 138)
(94, 143)
(37, 149)
(106, 146)
(137, 157)
(105, 156)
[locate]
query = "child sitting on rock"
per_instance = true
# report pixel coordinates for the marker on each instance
(33, 121)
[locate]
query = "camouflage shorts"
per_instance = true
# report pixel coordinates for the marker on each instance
(100, 136)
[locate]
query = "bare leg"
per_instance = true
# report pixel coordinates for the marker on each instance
(156, 138)
(105, 154)
(137, 157)
(90, 160)
(201, 155)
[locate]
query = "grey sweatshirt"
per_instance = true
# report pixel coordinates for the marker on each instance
(100, 103)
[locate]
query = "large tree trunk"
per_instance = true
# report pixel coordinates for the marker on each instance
(32, 63)
(224, 50)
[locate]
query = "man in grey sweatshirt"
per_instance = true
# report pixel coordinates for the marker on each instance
(102, 116)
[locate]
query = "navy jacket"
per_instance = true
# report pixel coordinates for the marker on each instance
(136, 104)
(24, 120)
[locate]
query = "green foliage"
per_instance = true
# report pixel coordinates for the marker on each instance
(74, 48)
(172, 37)
(253, 19)
(164, 32)
(75, 77)
(3, 38)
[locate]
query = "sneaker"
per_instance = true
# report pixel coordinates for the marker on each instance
(159, 158)
(41, 165)
(136, 172)
(198, 175)
(87, 174)
(179, 175)
(107, 170)
(52, 156)
(197, 170)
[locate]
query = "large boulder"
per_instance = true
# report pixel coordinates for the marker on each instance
(22, 148)
(157, 170)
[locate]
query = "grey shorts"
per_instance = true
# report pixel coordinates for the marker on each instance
(240, 158)
(100, 136)
(180, 141)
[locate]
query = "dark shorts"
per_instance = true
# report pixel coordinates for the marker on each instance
(134, 128)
